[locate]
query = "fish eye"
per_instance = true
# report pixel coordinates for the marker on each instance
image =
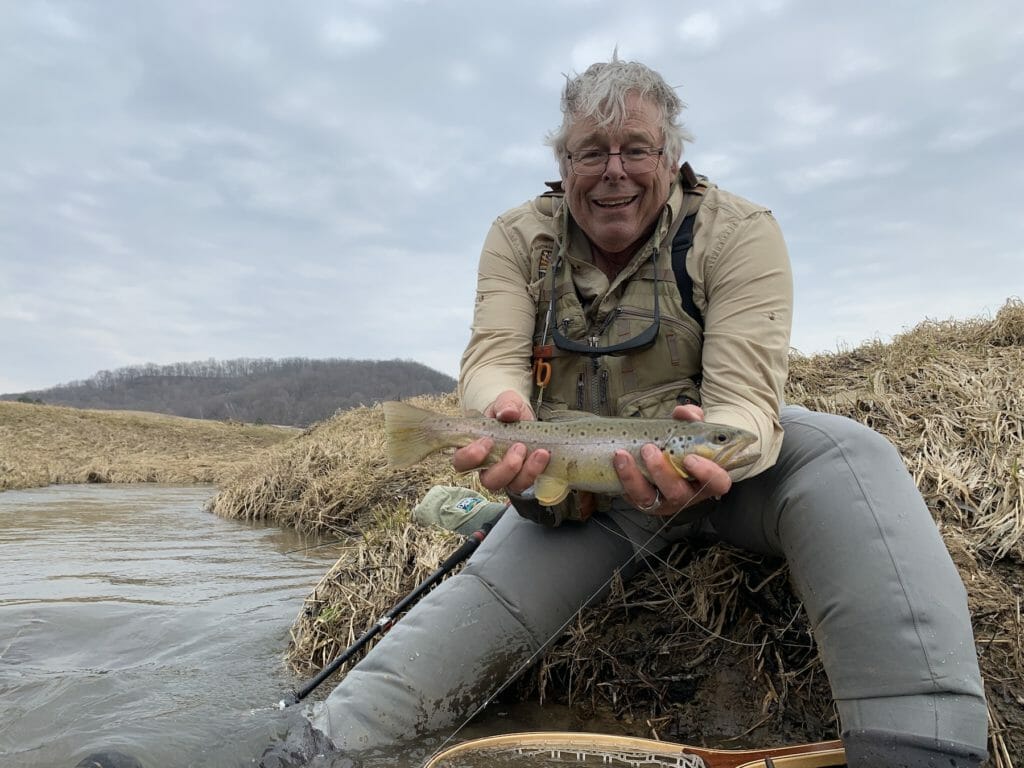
(721, 437)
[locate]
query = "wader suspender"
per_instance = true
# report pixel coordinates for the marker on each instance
(681, 244)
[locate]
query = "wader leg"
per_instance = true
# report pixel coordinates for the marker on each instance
(886, 603)
(471, 635)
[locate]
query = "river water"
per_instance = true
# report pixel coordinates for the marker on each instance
(132, 619)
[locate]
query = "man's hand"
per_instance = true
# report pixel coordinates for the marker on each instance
(516, 471)
(670, 493)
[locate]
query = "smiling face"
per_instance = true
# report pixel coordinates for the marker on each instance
(616, 209)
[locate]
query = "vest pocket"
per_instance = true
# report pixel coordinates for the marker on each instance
(656, 403)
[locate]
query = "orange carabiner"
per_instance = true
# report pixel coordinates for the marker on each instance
(541, 372)
(541, 367)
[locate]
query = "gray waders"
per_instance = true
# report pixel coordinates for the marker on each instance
(886, 603)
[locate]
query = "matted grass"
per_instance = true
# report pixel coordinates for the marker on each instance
(711, 648)
(335, 476)
(45, 444)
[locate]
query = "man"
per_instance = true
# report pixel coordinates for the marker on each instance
(579, 308)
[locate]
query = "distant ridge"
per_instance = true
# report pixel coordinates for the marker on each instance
(291, 391)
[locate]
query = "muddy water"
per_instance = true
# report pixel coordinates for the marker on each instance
(130, 618)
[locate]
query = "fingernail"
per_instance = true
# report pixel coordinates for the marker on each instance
(649, 451)
(692, 462)
(619, 461)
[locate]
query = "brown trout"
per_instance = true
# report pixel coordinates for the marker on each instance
(581, 448)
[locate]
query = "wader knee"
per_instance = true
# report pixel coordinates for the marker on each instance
(885, 601)
(435, 668)
(473, 634)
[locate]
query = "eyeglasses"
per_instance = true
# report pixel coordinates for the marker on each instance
(593, 162)
(590, 347)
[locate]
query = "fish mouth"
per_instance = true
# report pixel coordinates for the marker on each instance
(738, 455)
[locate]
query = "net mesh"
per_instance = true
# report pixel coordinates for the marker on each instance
(545, 757)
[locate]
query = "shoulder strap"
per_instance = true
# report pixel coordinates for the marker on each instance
(681, 245)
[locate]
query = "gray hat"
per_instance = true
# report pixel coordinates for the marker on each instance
(457, 509)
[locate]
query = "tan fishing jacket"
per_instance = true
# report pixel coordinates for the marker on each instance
(735, 366)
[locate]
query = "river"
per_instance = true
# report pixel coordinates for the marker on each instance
(130, 618)
(133, 620)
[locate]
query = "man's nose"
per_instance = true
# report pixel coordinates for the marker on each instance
(618, 169)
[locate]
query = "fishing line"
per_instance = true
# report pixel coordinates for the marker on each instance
(707, 630)
(638, 550)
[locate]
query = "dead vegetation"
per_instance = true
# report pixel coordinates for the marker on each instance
(334, 477)
(709, 648)
(712, 647)
(46, 444)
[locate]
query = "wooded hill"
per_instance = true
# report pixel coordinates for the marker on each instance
(292, 391)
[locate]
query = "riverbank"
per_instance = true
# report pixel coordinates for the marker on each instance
(743, 669)
(48, 444)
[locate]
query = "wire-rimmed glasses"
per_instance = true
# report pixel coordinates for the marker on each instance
(593, 162)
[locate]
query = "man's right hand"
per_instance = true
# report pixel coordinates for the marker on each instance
(517, 470)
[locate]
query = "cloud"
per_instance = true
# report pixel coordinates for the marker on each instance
(55, 21)
(830, 171)
(975, 126)
(463, 73)
(874, 126)
(802, 118)
(17, 308)
(636, 36)
(854, 63)
(718, 164)
(519, 155)
(700, 32)
(346, 36)
(195, 180)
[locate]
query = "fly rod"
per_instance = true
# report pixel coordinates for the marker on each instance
(385, 622)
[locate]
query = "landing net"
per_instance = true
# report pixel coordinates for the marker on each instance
(565, 749)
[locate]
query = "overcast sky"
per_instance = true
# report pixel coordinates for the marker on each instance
(195, 179)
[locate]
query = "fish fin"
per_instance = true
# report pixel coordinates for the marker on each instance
(550, 490)
(677, 467)
(411, 437)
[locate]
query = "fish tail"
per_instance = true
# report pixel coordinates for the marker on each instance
(411, 436)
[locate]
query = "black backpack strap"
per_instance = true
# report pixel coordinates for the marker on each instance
(681, 245)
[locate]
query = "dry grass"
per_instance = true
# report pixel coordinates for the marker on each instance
(335, 477)
(712, 648)
(392, 557)
(950, 396)
(45, 444)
